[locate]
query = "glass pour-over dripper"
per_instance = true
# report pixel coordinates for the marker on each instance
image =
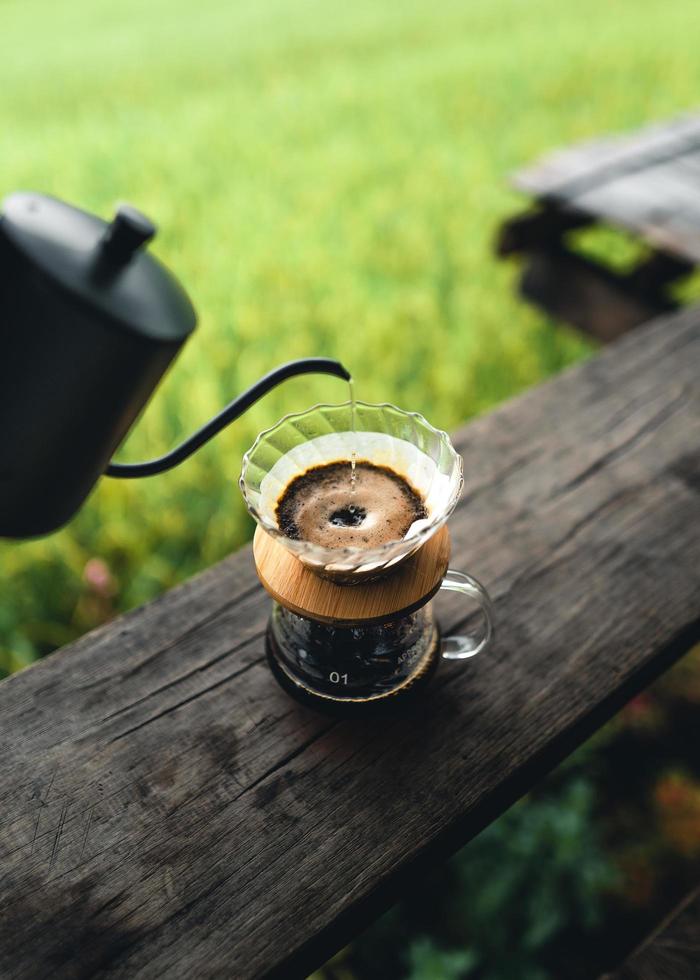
(382, 434)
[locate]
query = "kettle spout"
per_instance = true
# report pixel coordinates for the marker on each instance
(236, 408)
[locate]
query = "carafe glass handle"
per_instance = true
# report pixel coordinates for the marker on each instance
(468, 645)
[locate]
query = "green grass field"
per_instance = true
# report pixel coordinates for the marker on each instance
(328, 178)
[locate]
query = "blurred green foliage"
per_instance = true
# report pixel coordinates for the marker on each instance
(491, 911)
(328, 179)
(569, 880)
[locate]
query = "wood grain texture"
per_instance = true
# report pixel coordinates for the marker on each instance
(168, 811)
(645, 181)
(672, 953)
(409, 586)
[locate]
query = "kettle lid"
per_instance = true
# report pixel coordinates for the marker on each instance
(103, 265)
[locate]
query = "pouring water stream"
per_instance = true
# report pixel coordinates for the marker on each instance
(353, 423)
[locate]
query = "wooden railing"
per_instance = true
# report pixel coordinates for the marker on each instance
(672, 952)
(169, 812)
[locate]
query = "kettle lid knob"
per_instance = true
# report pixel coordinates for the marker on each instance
(104, 266)
(129, 230)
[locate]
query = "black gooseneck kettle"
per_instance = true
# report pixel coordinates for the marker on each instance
(89, 322)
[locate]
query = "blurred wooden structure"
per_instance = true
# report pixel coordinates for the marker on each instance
(169, 812)
(672, 952)
(647, 183)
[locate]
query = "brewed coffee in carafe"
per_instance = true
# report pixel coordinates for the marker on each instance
(352, 569)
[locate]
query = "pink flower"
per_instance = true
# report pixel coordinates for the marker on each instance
(98, 578)
(639, 706)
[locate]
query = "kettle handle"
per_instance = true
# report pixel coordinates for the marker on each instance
(239, 405)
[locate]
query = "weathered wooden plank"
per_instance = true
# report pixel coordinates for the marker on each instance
(689, 164)
(645, 182)
(659, 203)
(569, 171)
(672, 953)
(167, 811)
